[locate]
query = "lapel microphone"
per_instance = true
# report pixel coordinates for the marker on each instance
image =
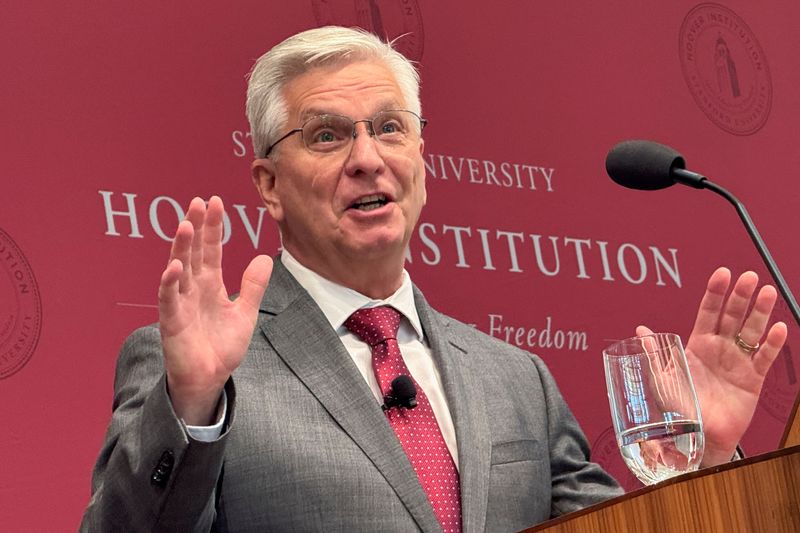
(403, 393)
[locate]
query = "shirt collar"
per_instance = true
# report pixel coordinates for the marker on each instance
(338, 302)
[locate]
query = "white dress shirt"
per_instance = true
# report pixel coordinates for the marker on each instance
(337, 304)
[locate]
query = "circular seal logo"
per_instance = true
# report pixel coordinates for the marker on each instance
(388, 19)
(21, 314)
(725, 68)
(783, 380)
(605, 452)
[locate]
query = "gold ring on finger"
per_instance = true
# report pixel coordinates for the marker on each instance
(749, 349)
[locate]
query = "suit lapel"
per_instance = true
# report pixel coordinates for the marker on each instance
(464, 393)
(303, 338)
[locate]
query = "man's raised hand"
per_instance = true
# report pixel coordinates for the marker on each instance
(728, 376)
(204, 334)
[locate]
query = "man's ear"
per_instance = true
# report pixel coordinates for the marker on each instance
(263, 172)
(424, 174)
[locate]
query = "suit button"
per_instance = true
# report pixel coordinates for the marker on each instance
(163, 469)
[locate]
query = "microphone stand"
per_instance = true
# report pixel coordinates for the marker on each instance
(698, 181)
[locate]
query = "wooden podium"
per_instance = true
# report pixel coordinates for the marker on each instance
(754, 495)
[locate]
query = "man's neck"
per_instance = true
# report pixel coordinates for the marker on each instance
(376, 279)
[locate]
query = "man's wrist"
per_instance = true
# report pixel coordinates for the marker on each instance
(212, 432)
(196, 408)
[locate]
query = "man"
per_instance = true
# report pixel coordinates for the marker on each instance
(264, 413)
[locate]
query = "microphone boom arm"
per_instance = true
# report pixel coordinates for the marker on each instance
(698, 181)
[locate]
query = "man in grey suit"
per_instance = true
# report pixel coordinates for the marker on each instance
(263, 413)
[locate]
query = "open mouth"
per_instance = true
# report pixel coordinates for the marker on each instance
(368, 203)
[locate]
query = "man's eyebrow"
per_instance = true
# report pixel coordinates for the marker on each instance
(313, 112)
(316, 111)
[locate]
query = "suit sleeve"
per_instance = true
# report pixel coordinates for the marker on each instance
(576, 481)
(150, 475)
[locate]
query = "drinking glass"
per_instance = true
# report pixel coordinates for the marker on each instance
(654, 406)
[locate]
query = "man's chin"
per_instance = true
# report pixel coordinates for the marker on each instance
(378, 246)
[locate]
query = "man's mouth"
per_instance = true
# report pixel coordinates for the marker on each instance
(368, 203)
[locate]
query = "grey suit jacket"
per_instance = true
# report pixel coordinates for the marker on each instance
(307, 447)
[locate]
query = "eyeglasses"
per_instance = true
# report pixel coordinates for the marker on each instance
(333, 133)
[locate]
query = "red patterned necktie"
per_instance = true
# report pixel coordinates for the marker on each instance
(416, 428)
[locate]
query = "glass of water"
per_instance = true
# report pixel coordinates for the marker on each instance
(654, 406)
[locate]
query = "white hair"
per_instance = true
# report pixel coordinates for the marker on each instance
(330, 45)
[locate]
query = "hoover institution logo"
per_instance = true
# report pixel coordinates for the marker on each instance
(726, 69)
(388, 19)
(21, 313)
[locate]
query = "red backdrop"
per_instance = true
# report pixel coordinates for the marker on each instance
(116, 114)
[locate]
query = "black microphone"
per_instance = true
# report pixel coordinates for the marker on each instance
(403, 393)
(647, 165)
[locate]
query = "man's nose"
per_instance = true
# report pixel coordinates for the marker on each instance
(365, 156)
(363, 126)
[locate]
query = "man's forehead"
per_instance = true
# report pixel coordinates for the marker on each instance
(328, 89)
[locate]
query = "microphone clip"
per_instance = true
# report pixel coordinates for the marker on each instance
(402, 394)
(390, 401)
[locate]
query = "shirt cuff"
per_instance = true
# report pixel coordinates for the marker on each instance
(210, 433)
(738, 454)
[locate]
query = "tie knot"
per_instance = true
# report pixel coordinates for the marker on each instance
(374, 325)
